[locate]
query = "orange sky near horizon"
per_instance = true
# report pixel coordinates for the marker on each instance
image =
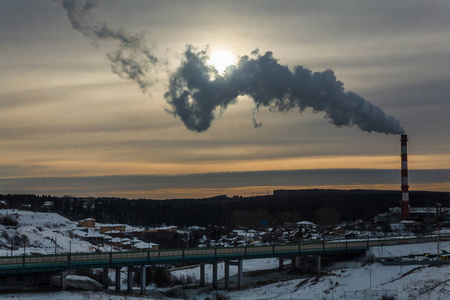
(78, 167)
(245, 191)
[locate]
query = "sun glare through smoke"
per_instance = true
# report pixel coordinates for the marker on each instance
(221, 59)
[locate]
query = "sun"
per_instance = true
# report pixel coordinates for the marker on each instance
(221, 59)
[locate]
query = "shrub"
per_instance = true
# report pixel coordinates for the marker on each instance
(5, 235)
(20, 240)
(9, 221)
(95, 275)
(157, 275)
(218, 296)
(161, 277)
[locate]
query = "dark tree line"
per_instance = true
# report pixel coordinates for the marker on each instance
(281, 207)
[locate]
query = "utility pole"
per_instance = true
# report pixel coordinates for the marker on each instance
(438, 210)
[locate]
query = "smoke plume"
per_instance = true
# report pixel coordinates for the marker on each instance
(132, 60)
(196, 91)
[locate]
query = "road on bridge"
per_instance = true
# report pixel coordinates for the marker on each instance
(56, 262)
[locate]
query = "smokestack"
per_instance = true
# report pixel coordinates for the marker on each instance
(405, 186)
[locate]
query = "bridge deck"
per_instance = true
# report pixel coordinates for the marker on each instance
(60, 262)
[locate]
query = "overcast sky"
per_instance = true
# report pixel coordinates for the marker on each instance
(72, 123)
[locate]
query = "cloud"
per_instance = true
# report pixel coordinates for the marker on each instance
(219, 182)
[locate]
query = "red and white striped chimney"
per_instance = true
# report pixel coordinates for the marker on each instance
(405, 186)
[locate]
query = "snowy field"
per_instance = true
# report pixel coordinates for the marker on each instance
(362, 282)
(405, 250)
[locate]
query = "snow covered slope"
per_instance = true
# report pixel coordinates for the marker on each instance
(42, 233)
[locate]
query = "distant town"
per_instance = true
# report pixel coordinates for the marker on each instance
(282, 218)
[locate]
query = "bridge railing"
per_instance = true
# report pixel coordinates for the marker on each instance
(153, 256)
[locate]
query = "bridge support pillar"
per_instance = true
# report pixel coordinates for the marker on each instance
(63, 280)
(117, 283)
(202, 274)
(227, 274)
(318, 264)
(304, 264)
(143, 279)
(130, 280)
(237, 263)
(280, 264)
(105, 278)
(214, 275)
(293, 263)
(239, 274)
(50, 281)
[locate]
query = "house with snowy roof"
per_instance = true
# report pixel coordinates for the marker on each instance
(48, 205)
(87, 223)
(109, 228)
(305, 224)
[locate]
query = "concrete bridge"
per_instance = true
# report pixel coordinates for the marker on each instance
(136, 261)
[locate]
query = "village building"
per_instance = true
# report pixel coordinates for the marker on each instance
(3, 204)
(26, 206)
(305, 224)
(88, 223)
(339, 231)
(48, 205)
(108, 228)
(163, 229)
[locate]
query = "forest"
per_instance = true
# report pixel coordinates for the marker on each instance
(324, 207)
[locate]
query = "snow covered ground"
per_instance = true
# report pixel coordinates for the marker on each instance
(346, 281)
(405, 250)
(47, 233)
(363, 282)
(50, 233)
(72, 296)
(351, 280)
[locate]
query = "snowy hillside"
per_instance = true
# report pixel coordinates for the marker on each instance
(360, 282)
(42, 233)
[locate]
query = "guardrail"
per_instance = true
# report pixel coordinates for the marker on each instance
(34, 263)
(366, 294)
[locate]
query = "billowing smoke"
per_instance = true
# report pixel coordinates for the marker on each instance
(196, 91)
(132, 60)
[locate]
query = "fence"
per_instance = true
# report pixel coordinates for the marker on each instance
(369, 294)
